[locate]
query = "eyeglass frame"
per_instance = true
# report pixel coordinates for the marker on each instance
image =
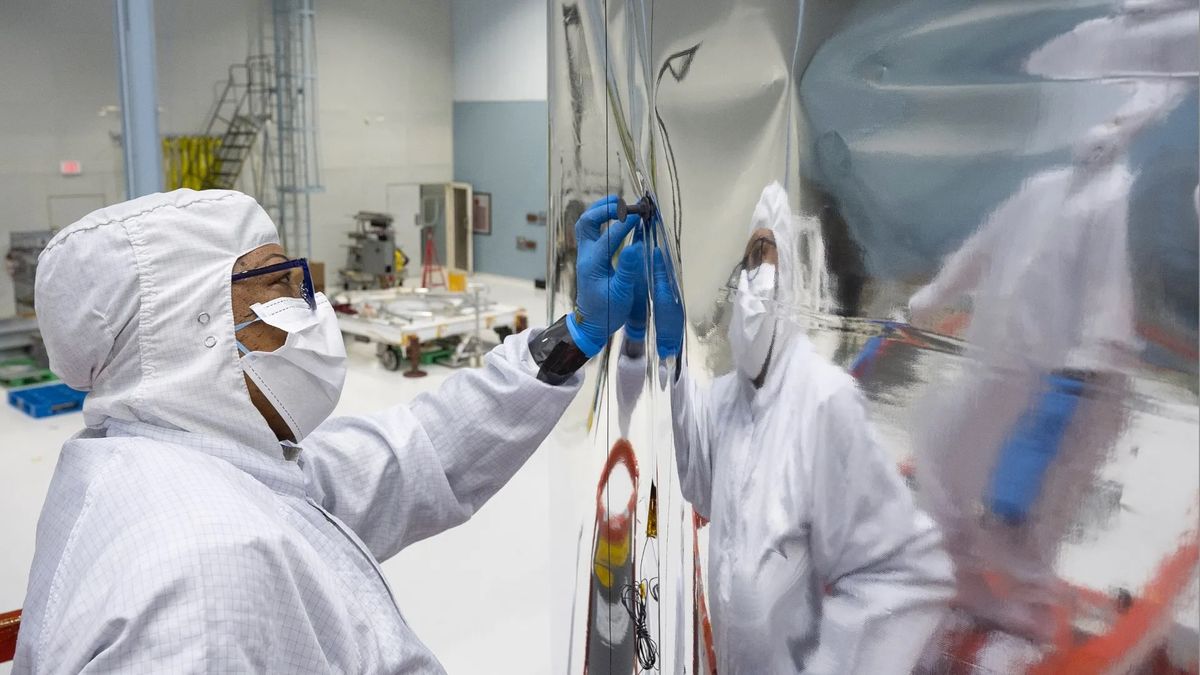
(307, 291)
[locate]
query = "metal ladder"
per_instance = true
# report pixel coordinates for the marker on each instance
(268, 108)
(295, 164)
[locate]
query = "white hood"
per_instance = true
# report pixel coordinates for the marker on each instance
(804, 286)
(133, 302)
(774, 213)
(803, 278)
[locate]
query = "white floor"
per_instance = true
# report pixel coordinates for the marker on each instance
(476, 595)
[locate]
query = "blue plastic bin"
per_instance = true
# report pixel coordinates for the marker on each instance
(53, 399)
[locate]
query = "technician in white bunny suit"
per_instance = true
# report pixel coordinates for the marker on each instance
(210, 518)
(819, 562)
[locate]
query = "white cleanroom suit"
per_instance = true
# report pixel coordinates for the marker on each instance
(818, 562)
(177, 535)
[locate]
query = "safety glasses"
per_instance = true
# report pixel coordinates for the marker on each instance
(751, 262)
(291, 278)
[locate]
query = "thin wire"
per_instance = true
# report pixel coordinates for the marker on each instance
(608, 305)
(664, 524)
(647, 648)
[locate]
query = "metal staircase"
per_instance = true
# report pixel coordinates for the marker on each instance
(239, 119)
(232, 152)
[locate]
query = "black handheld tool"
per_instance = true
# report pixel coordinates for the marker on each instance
(644, 208)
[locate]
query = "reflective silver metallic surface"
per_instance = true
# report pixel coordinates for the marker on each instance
(988, 195)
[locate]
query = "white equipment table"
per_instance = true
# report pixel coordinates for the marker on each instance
(393, 318)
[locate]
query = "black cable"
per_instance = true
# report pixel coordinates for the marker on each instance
(635, 604)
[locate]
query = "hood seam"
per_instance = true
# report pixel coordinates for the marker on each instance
(72, 230)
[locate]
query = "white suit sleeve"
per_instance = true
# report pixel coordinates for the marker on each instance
(1108, 340)
(406, 473)
(887, 579)
(961, 270)
(691, 424)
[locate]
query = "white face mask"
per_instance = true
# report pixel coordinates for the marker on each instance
(302, 379)
(751, 328)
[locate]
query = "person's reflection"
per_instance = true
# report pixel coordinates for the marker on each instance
(1007, 452)
(819, 562)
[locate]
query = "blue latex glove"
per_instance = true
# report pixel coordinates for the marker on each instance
(603, 296)
(635, 327)
(1016, 480)
(668, 312)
